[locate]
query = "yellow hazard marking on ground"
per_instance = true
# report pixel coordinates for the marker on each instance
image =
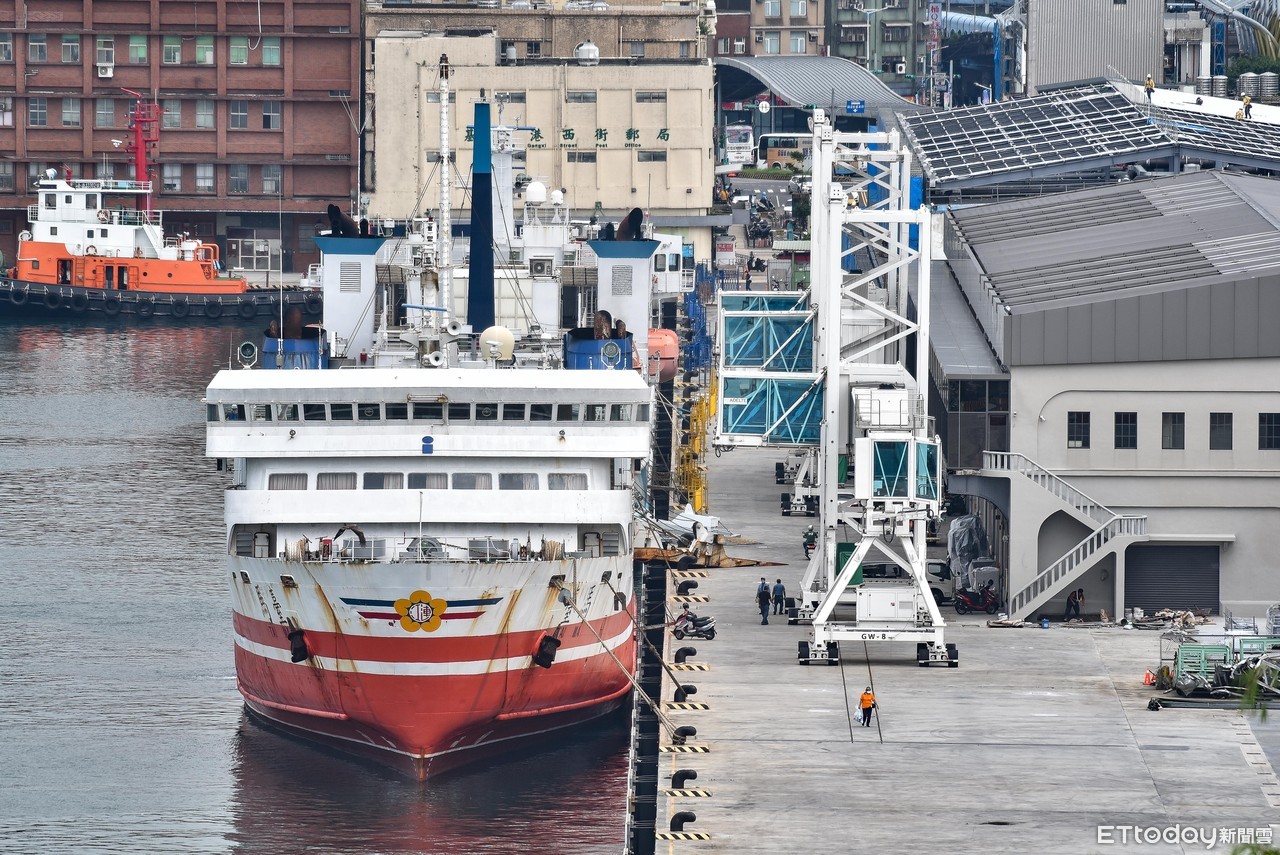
(689, 598)
(684, 749)
(681, 705)
(690, 794)
(690, 574)
(682, 835)
(690, 666)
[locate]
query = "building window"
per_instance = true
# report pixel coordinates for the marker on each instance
(1173, 430)
(533, 50)
(237, 178)
(1220, 425)
(799, 8)
(271, 50)
(739, 45)
(239, 50)
(37, 112)
(70, 48)
(773, 43)
(204, 177)
(204, 50)
(37, 47)
(271, 183)
(204, 112)
(651, 97)
(773, 8)
(637, 50)
(1268, 431)
(239, 115)
(722, 46)
(6, 177)
(1126, 430)
(6, 47)
(1077, 430)
(106, 50)
(582, 156)
(71, 112)
(510, 97)
(104, 113)
(271, 115)
(798, 42)
(172, 50)
(6, 111)
(171, 116)
(172, 175)
(579, 96)
(138, 50)
(104, 171)
(651, 157)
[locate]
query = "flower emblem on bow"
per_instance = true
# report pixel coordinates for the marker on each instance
(420, 612)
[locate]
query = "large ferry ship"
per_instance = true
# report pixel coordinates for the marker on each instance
(430, 551)
(98, 245)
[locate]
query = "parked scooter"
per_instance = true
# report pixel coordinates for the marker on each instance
(689, 624)
(984, 599)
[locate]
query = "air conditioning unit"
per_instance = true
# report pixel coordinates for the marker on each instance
(759, 38)
(900, 68)
(106, 71)
(541, 266)
(813, 37)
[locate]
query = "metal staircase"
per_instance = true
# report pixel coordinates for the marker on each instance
(1111, 531)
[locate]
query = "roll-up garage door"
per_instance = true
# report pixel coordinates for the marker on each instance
(1171, 577)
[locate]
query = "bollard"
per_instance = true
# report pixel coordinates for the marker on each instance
(678, 820)
(684, 653)
(683, 692)
(681, 776)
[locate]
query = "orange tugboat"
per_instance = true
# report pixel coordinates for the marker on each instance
(88, 249)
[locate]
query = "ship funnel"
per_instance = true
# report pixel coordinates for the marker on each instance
(480, 310)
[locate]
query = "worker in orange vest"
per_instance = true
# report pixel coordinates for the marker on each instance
(866, 704)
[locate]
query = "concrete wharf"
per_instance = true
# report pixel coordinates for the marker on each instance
(1041, 741)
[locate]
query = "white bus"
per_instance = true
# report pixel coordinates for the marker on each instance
(739, 145)
(784, 151)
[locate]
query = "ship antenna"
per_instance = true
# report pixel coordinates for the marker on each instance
(444, 236)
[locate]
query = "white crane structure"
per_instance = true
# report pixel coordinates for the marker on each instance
(842, 371)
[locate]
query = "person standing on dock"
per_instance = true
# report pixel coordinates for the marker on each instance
(762, 599)
(1074, 599)
(1248, 106)
(866, 704)
(810, 540)
(779, 597)
(1149, 86)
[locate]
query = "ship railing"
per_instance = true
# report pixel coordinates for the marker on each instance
(115, 216)
(111, 185)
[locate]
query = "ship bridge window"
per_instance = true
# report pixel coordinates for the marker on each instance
(459, 412)
(431, 412)
(642, 412)
(396, 412)
(597, 412)
(369, 412)
(566, 480)
(428, 481)
(384, 480)
(232, 412)
(472, 481)
(486, 412)
(287, 481)
(513, 412)
(539, 412)
(340, 412)
(619, 412)
(314, 412)
(211, 412)
(568, 412)
(51, 200)
(517, 480)
(286, 412)
(91, 201)
(335, 481)
(261, 412)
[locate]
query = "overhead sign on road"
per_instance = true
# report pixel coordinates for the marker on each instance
(855, 107)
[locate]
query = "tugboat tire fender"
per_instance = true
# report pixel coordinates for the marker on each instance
(212, 309)
(111, 304)
(180, 308)
(313, 305)
(18, 296)
(79, 302)
(248, 307)
(52, 299)
(146, 307)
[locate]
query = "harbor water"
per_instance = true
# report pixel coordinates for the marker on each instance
(122, 727)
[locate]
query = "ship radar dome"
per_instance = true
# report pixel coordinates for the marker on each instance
(535, 193)
(497, 343)
(557, 197)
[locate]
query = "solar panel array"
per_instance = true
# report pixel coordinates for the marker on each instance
(1089, 125)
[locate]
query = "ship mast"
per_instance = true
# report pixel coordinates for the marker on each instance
(144, 119)
(444, 233)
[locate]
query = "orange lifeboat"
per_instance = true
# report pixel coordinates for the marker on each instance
(664, 349)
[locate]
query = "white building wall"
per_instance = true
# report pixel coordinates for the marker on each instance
(1193, 495)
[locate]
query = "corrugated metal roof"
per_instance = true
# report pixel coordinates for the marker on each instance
(1126, 239)
(822, 80)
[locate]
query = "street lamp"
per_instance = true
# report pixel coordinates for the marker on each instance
(872, 64)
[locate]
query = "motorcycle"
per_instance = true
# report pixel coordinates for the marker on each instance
(689, 624)
(984, 599)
